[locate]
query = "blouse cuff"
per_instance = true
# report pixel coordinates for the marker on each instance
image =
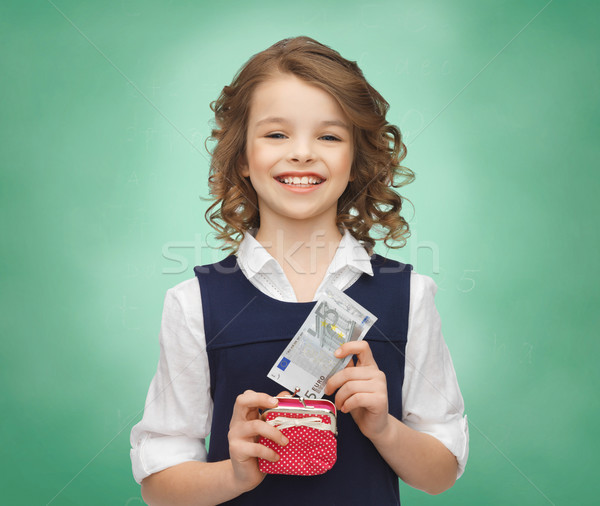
(454, 436)
(155, 453)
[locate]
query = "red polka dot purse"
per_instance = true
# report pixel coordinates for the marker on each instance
(310, 425)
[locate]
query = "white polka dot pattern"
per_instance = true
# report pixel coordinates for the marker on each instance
(310, 451)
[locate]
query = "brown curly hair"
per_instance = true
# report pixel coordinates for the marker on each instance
(368, 202)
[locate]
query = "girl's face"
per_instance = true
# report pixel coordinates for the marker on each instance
(299, 151)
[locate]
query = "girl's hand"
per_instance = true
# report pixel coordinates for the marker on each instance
(244, 430)
(362, 389)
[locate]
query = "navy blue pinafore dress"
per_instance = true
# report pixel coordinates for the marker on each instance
(246, 331)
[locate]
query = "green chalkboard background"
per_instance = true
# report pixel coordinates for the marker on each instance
(104, 111)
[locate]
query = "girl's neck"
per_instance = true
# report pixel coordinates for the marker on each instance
(302, 248)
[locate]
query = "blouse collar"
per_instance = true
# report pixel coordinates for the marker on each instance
(254, 259)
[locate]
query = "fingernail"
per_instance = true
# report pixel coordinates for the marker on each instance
(273, 401)
(285, 441)
(338, 352)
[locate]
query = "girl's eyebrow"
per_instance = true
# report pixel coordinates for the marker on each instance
(333, 122)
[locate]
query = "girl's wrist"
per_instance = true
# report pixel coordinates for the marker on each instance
(387, 434)
(232, 479)
(239, 485)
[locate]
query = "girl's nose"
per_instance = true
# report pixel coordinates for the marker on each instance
(301, 152)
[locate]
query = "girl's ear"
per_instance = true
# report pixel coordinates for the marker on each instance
(244, 170)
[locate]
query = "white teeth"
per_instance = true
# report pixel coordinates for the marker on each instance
(304, 180)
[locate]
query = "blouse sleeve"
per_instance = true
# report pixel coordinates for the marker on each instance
(178, 409)
(432, 401)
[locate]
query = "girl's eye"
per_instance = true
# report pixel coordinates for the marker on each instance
(282, 136)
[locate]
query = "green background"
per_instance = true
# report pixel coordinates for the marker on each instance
(104, 115)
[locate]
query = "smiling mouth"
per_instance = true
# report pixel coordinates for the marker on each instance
(304, 181)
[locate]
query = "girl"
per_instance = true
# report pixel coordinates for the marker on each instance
(303, 170)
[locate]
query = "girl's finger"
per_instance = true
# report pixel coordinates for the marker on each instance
(251, 429)
(361, 349)
(251, 400)
(245, 450)
(369, 401)
(352, 388)
(350, 374)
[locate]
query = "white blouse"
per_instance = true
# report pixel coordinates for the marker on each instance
(178, 410)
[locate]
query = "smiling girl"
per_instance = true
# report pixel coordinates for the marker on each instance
(303, 170)
(298, 159)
